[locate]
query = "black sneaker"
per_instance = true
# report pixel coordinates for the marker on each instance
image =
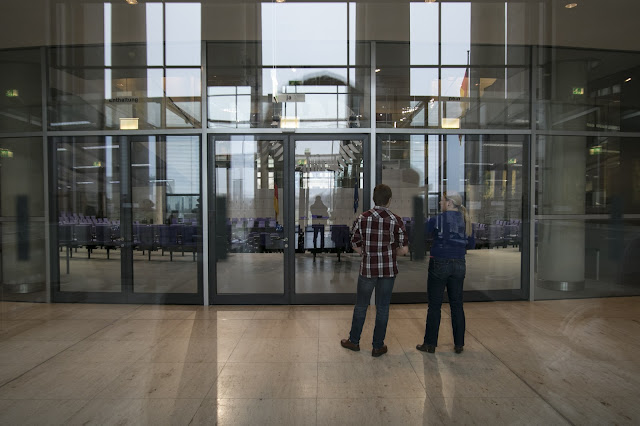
(426, 348)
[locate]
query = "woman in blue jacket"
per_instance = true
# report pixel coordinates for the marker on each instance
(451, 233)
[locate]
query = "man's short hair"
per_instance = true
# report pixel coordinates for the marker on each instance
(381, 195)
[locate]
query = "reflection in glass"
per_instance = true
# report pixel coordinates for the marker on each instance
(588, 175)
(165, 184)
(605, 263)
(21, 96)
(490, 173)
(249, 235)
(590, 90)
(22, 245)
(88, 200)
(328, 185)
(579, 175)
(156, 78)
(310, 72)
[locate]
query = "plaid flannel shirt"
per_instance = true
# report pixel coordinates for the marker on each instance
(378, 232)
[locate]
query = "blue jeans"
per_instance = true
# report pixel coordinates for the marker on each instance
(449, 274)
(384, 287)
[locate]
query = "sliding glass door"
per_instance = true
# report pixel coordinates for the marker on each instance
(281, 209)
(127, 218)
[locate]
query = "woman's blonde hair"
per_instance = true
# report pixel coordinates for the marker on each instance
(456, 200)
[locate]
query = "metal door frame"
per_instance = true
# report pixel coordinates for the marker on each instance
(288, 209)
(127, 292)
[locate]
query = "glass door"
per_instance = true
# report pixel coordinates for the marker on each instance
(250, 237)
(490, 173)
(281, 209)
(331, 180)
(127, 219)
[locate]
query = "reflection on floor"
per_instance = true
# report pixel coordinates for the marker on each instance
(547, 362)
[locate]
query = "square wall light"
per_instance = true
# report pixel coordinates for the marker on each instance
(128, 124)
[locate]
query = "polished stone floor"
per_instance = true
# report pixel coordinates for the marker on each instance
(546, 362)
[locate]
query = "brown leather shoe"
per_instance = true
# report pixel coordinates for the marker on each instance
(348, 344)
(426, 348)
(378, 352)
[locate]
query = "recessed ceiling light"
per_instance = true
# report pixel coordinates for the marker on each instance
(571, 5)
(132, 1)
(377, 69)
(280, 1)
(628, 80)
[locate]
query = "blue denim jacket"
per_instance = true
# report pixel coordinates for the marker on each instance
(447, 230)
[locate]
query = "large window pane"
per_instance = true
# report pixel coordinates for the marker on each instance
(88, 200)
(22, 257)
(165, 183)
(590, 90)
(21, 95)
(490, 173)
(588, 175)
(307, 70)
(587, 258)
(250, 236)
(580, 255)
(329, 179)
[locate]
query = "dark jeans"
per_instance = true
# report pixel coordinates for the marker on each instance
(384, 287)
(449, 274)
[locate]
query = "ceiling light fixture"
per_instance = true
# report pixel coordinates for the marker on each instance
(571, 5)
(377, 69)
(280, 1)
(132, 1)
(628, 80)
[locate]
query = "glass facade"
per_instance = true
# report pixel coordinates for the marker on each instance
(186, 146)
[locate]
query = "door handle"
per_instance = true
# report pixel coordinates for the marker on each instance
(285, 239)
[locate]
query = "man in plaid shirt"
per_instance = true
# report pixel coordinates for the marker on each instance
(379, 236)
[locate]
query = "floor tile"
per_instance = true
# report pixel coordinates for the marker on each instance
(163, 380)
(281, 328)
(261, 349)
(266, 380)
(136, 330)
(446, 374)
(384, 379)
(190, 350)
(226, 313)
(63, 330)
(134, 411)
(300, 411)
(94, 311)
(492, 411)
(208, 329)
(39, 412)
(52, 380)
(30, 352)
(11, 371)
(91, 351)
(167, 312)
(339, 328)
(10, 328)
(598, 411)
(377, 411)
